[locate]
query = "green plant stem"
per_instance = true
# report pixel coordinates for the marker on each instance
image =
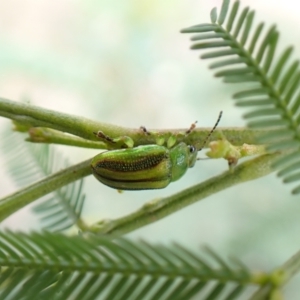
(21, 198)
(160, 208)
(33, 116)
(291, 267)
(279, 277)
(51, 136)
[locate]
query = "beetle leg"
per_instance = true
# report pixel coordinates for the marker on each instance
(102, 135)
(125, 140)
(144, 130)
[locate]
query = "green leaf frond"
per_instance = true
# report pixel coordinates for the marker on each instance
(246, 54)
(61, 209)
(54, 266)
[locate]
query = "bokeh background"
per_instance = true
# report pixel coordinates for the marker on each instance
(126, 63)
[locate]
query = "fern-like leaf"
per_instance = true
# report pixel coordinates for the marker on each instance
(61, 209)
(54, 266)
(247, 54)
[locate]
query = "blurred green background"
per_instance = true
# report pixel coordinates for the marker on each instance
(126, 63)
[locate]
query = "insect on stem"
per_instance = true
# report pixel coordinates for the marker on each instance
(145, 131)
(211, 132)
(101, 135)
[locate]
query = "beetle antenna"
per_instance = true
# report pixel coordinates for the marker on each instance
(210, 133)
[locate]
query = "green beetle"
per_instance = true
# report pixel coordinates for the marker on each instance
(145, 167)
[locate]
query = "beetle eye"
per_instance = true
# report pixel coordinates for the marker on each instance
(192, 149)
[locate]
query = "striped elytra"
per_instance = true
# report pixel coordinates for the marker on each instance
(143, 167)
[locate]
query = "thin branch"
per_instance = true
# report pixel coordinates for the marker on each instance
(21, 198)
(279, 277)
(158, 209)
(291, 267)
(50, 136)
(34, 116)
